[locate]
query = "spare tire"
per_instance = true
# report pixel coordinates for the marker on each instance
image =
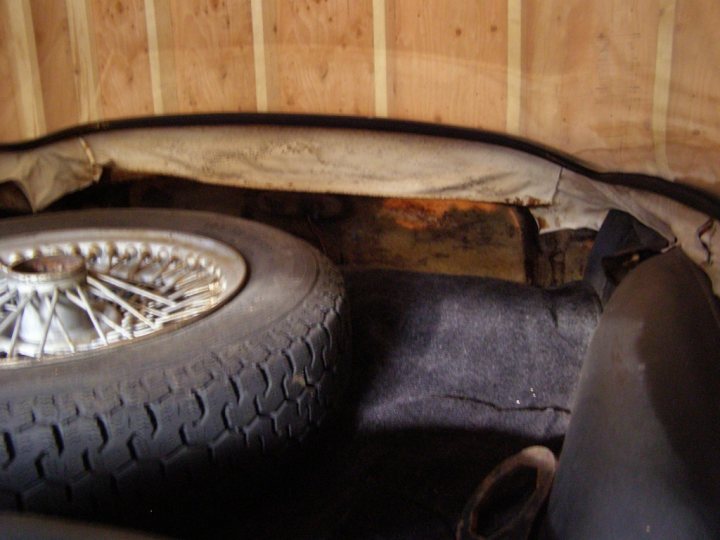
(255, 369)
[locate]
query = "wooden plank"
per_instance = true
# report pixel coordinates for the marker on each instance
(380, 57)
(151, 26)
(83, 59)
(258, 30)
(23, 54)
(661, 88)
(9, 96)
(448, 65)
(121, 48)
(161, 44)
(55, 63)
(214, 55)
(514, 67)
(588, 79)
(319, 56)
(693, 138)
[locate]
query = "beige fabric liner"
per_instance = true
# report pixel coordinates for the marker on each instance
(358, 163)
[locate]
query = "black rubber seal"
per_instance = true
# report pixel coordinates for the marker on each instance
(692, 197)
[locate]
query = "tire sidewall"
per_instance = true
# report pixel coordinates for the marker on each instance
(282, 272)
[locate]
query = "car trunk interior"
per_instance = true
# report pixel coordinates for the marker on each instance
(485, 175)
(469, 331)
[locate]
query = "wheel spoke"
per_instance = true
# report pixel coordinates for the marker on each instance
(189, 292)
(129, 287)
(48, 321)
(7, 321)
(91, 314)
(192, 277)
(112, 324)
(163, 268)
(107, 288)
(190, 302)
(7, 296)
(66, 336)
(103, 291)
(171, 283)
(15, 333)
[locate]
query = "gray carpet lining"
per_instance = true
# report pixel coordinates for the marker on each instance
(455, 351)
(450, 376)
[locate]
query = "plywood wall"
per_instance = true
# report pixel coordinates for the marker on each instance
(621, 84)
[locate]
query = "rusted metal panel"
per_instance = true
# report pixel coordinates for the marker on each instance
(455, 237)
(420, 235)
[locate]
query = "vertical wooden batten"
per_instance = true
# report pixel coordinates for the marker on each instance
(154, 57)
(23, 54)
(258, 30)
(514, 67)
(380, 58)
(165, 43)
(84, 64)
(661, 87)
(448, 65)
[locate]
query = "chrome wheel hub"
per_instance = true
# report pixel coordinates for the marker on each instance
(63, 293)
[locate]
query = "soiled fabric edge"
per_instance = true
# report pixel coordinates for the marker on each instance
(46, 174)
(581, 203)
(357, 162)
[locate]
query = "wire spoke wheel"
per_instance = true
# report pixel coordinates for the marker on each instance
(150, 354)
(68, 292)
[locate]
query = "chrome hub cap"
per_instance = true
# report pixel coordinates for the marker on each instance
(63, 293)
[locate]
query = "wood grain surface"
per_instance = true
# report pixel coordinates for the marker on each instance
(54, 53)
(213, 38)
(10, 128)
(319, 56)
(447, 65)
(119, 37)
(588, 83)
(621, 84)
(693, 138)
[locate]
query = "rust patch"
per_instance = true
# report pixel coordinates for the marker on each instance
(443, 236)
(422, 214)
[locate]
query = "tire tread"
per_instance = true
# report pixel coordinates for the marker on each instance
(74, 451)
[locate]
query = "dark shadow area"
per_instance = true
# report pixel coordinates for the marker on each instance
(451, 375)
(422, 235)
(641, 456)
(399, 484)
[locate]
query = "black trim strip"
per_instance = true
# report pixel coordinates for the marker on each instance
(695, 198)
